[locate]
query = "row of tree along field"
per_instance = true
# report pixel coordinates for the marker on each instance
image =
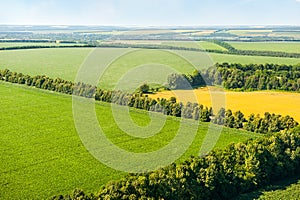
(222, 174)
(242, 77)
(233, 50)
(229, 49)
(255, 123)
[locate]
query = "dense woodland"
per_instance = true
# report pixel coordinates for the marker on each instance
(242, 77)
(269, 123)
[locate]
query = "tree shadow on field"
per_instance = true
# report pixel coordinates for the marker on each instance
(278, 185)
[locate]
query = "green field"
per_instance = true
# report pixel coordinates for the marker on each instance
(289, 47)
(65, 63)
(290, 192)
(41, 152)
(204, 45)
(287, 189)
(26, 44)
(254, 32)
(197, 45)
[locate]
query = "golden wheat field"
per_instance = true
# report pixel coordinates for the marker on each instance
(283, 103)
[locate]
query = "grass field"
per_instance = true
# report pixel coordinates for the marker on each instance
(290, 192)
(65, 63)
(247, 102)
(287, 189)
(186, 44)
(264, 33)
(24, 44)
(197, 45)
(42, 154)
(252, 33)
(290, 47)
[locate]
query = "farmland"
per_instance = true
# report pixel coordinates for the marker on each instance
(198, 45)
(205, 45)
(42, 155)
(265, 33)
(290, 47)
(248, 102)
(65, 63)
(26, 44)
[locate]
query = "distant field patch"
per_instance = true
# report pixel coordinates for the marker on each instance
(290, 47)
(283, 103)
(186, 44)
(25, 44)
(195, 44)
(293, 34)
(203, 33)
(253, 32)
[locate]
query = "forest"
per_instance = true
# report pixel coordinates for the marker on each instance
(242, 77)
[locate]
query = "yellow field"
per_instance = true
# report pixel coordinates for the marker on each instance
(283, 103)
(201, 33)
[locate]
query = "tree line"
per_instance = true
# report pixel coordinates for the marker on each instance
(232, 50)
(270, 123)
(242, 77)
(222, 174)
(229, 49)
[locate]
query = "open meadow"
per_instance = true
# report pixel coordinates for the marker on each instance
(65, 63)
(265, 33)
(26, 44)
(42, 154)
(204, 45)
(289, 47)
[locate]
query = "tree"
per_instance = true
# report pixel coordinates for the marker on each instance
(144, 88)
(177, 81)
(239, 119)
(220, 117)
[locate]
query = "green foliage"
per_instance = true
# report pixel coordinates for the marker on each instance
(144, 88)
(248, 77)
(270, 123)
(255, 51)
(259, 77)
(290, 47)
(182, 81)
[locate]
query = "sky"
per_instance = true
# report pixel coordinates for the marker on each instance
(150, 12)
